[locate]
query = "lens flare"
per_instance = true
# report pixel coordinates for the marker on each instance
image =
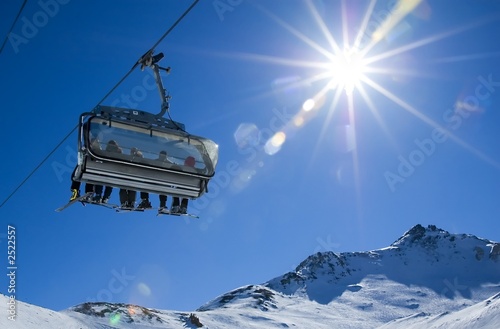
(298, 121)
(144, 289)
(247, 134)
(131, 310)
(273, 145)
(114, 318)
(308, 105)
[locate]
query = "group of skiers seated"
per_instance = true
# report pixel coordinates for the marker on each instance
(128, 197)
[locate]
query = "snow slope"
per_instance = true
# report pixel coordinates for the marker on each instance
(428, 278)
(485, 314)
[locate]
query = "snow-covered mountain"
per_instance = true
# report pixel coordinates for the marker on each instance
(428, 278)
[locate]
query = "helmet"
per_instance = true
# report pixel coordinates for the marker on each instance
(190, 161)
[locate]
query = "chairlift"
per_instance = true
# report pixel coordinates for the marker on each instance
(109, 137)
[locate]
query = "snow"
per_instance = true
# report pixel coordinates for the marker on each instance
(428, 278)
(485, 314)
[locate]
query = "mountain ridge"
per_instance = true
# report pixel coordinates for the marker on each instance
(426, 277)
(439, 248)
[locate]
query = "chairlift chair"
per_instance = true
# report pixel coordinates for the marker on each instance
(152, 134)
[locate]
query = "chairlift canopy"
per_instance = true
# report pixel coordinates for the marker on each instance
(136, 150)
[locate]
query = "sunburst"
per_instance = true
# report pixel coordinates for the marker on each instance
(349, 66)
(348, 70)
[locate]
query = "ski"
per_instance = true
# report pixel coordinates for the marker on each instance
(106, 205)
(79, 199)
(130, 209)
(167, 212)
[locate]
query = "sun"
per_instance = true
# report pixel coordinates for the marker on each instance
(346, 70)
(357, 61)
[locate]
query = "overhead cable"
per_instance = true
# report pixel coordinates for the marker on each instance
(105, 96)
(13, 24)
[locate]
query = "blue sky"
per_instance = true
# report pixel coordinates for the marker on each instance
(416, 141)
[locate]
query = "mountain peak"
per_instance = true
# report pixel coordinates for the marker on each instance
(420, 234)
(436, 240)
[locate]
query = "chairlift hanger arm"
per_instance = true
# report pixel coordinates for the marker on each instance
(152, 61)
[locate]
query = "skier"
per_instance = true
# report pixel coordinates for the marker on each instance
(112, 147)
(89, 188)
(127, 197)
(145, 203)
(180, 206)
